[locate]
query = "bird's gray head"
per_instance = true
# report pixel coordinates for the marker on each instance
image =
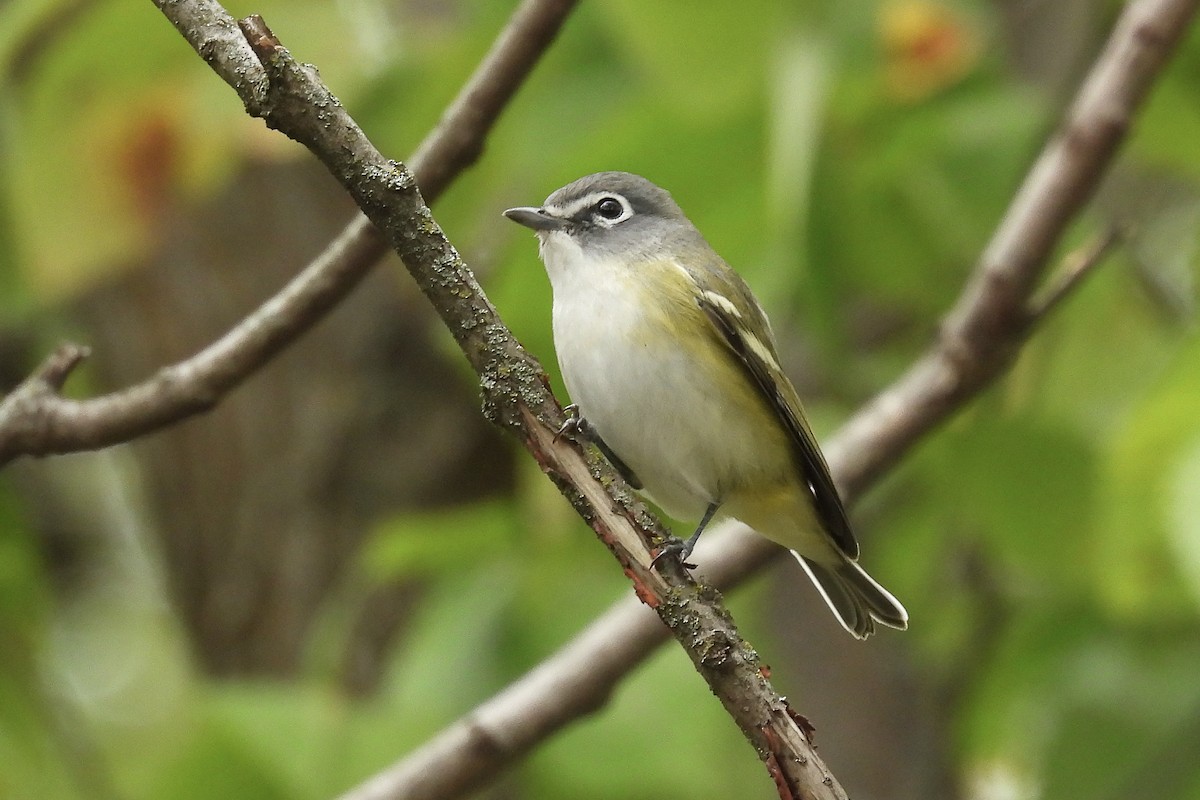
(608, 212)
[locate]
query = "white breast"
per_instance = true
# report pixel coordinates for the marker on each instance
(651, 399)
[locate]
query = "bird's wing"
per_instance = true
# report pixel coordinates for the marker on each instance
(759, 360)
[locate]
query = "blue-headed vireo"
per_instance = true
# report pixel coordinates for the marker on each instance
(671, 362)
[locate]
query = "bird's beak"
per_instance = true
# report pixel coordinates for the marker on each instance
(535, 218)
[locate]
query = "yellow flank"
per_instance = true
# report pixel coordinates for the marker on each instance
(758, 449)
(783, 513)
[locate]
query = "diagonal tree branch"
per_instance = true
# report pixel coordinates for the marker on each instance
(36, 420)
(982, 332)
(979, 338)
(516, 398)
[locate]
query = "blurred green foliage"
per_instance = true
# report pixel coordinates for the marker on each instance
(851, 160)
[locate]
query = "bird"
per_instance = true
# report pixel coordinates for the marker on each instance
(672, 370)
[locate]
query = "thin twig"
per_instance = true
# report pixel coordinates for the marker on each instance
(53, 372)
(1076, 266)
(49, 423)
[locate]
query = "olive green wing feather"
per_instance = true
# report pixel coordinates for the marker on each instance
(723, 306)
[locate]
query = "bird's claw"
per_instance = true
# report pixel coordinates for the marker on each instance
(682, 548)
(677, 548)
(575, 425)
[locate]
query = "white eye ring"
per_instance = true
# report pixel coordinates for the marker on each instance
(611, 209)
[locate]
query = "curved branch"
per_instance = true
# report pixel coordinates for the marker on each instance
(982, 332)
(990, 320)
(36, 420)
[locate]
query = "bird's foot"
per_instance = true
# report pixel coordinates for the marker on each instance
(682, 549)
(575, 427)
(676, 548)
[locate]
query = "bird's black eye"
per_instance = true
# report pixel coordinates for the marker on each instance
(610, 208)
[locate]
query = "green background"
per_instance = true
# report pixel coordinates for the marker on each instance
(849, 158)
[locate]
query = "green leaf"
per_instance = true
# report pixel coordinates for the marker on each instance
(1149, 472)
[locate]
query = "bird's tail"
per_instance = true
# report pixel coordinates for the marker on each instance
(854, 597)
